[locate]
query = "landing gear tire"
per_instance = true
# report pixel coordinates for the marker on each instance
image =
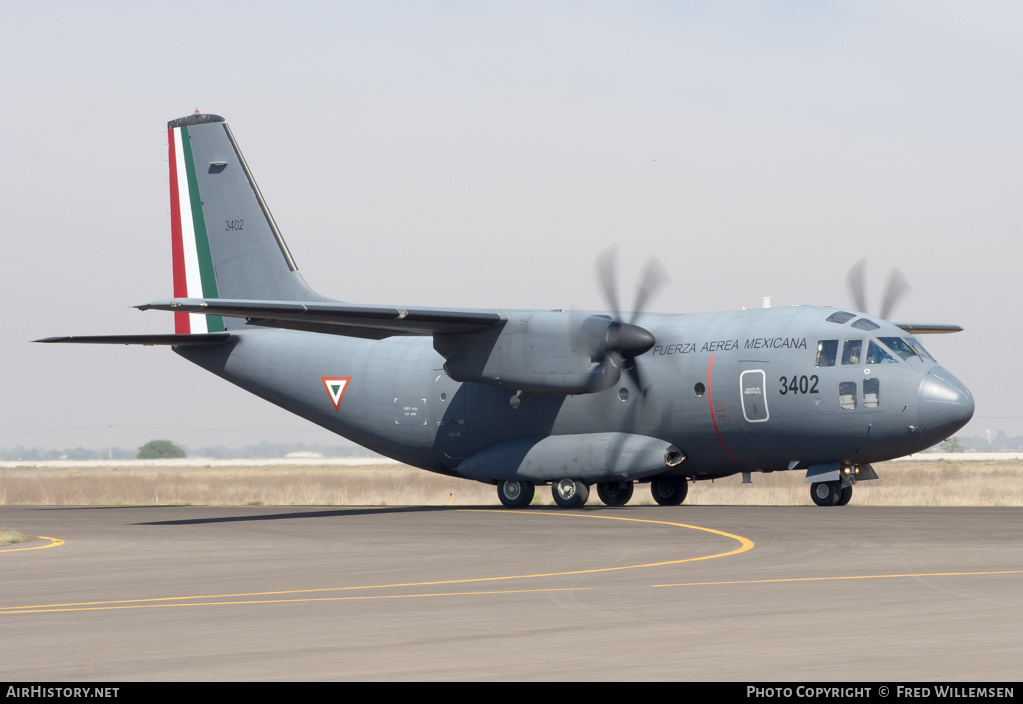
(615, 493)
(670, 491)
(515, 494)
(844, 497)
(570, 493)
(827, 493)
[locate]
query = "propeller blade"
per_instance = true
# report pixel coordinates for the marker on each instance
(636, 376)
(856, 279)
(897, 287)
(654, 279)
(625, 341)
(606, 267)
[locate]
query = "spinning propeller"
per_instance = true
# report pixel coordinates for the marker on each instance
(624, 340)
(896, 288)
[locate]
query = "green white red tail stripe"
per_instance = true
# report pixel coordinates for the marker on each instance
(194, 276)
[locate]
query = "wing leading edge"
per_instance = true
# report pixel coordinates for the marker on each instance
(365, 321)
(184, 340)
(928, 328)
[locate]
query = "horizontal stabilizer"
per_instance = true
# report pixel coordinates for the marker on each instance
(928, 328)
(338, 318)
(201, 340)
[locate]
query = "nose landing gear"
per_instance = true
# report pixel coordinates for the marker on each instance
(827, 493)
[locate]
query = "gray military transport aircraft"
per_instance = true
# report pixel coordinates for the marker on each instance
(524, 398)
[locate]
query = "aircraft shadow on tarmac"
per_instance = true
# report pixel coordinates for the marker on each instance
(334, 513)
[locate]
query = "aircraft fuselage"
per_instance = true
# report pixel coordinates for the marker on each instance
(736, 391)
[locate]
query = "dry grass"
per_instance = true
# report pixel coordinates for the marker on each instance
(917, 483)
(11, 536)
(238, 486)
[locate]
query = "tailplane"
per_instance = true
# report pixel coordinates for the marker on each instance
(225, 243)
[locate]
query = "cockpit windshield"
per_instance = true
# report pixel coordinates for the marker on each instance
(905, 348)
(877, 355)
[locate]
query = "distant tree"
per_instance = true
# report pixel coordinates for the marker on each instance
(160, 449)
(951, 444)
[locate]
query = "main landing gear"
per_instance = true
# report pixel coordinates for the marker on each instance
(574, 493)
(515, 494)
(570, 493)
(669, 491)
(615, 493)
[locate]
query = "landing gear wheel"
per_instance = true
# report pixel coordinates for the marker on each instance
(615, 493)
(826, 493)
(570, 493)
(844, 497)
(670, 491)
(515, 494)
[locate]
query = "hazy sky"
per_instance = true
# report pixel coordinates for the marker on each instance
(480, 154)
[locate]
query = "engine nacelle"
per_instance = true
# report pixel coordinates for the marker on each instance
(547, 352)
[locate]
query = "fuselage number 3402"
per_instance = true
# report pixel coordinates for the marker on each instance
(798, 384)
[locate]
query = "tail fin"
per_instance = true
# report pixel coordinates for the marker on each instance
(225, 243)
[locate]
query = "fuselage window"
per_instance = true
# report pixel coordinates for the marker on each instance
(871, 393)
(827, 353)
(876, 355)
(847, 394)
(851, 351)
(865, 324)
(841, 317)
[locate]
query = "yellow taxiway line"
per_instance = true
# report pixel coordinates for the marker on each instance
(125, 605)
(827, 579)
(744, 545)
(54, 542)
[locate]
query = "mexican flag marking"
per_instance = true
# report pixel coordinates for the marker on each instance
(194, 275)
(335, 386)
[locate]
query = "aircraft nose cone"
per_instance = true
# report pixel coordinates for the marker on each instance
(944, 405)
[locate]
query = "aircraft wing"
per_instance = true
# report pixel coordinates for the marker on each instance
(201, 340)
(928, 328)
(353, 320)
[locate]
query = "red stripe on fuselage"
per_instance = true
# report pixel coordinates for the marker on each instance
(713, 418)
(181, 324)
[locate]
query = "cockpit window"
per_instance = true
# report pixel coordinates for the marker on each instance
(898, 346)
(841, 317)
(851, 351)
(865, 324)
(877, 355)
(827, 353)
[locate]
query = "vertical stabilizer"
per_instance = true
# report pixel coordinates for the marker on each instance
(225, 243)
